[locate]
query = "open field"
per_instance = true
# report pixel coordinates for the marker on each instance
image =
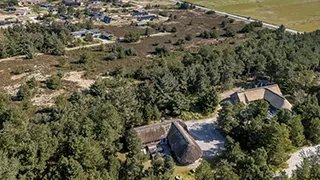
(303, 15)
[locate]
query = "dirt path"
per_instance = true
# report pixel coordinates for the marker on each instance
(90, 45)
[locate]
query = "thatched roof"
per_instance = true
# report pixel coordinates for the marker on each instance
(155, 132)
(184, 147)
(271, 93)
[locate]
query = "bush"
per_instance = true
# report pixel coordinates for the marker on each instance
(18, 70)
(110, 57)
(24, 92)
(32, 83)
(230, 32)
(131, 52)
(163, 13)
(131, 37)
(62, 62)
(162, 51)
(188, 37)
(173, 29)
(54, 82)
(210, 12)
(180, 42)
(212, 34)
(84, 58)
(88, 38)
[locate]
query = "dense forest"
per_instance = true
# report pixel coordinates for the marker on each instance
(31, 38)
(81, 136)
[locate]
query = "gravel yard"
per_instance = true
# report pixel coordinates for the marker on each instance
(207, 136)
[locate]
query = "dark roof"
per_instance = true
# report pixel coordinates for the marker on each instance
(184, 147)
(153, 132)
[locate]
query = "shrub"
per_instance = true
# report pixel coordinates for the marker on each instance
(230, 32)
(18, 70)
(162, 51)
(179, 42)
(110, 57)
(163, 13)
(88, 38)
(24, 92)
(54, 82)
(173, 29)
(85, 58)
(188, 37)
(210, 12)
(131, 37)
(130, 52)
(62, 62)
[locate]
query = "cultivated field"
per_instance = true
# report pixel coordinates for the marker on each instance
(303, 15)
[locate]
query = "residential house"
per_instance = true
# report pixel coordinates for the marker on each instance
(147, 17)
(79, 34)
(10, 9)
(46, 6)
(138, 13)
(106, 36)
(35, 2)
(172, 135)
(72, 3)
(83, 32)
(271, 93)
(106, 19)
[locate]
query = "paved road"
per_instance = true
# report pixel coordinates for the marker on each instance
(241, 18)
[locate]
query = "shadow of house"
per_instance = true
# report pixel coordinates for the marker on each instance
(175, 134)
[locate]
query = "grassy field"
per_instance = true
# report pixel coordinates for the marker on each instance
(303, 15)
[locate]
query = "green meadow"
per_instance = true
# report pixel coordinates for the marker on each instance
(303, 15)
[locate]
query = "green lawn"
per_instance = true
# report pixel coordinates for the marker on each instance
(303, 15)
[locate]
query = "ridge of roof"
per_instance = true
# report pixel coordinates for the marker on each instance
(258, 88)
(156, 124)
(183, 132)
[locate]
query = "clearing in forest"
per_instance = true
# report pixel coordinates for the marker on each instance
(302, 15)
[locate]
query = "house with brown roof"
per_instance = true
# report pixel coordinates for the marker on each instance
(272, 94)
(173, 134)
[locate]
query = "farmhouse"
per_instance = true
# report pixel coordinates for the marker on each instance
(272, 94)
(170, 137)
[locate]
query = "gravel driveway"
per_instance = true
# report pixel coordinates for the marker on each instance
(207, 136)
(296, 158)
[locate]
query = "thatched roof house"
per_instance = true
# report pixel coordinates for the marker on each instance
(271, 94)
(183, 146)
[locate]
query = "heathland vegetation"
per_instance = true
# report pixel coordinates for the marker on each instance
(82, 135)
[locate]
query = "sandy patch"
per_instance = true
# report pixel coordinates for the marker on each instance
(76, 77)
(45, 100)
(19, 76)
(12, 90)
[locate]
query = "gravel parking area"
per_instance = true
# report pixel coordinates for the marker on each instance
(207, 136)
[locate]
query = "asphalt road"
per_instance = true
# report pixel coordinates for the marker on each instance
(265, 24)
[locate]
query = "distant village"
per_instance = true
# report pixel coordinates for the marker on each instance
(72, 11)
